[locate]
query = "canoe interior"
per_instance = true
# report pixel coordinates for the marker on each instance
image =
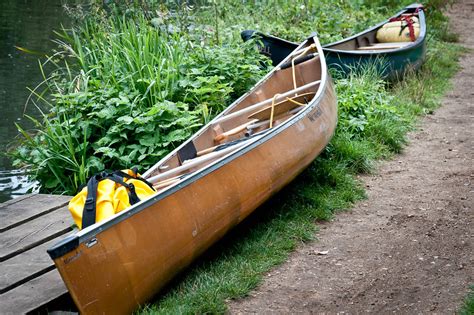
(392, 60)
(279, 82)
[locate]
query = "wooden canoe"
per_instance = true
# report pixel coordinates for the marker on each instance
(205, 187)
(359, 50)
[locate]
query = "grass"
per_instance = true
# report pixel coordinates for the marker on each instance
(468, 306)
(235, 265)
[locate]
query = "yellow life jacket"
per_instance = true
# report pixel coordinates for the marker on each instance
(107, 194)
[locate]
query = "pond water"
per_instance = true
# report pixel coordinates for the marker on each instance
(28, 24)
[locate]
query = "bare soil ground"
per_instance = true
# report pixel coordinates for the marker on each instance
(408, 248)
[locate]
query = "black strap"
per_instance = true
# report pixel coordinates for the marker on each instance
(135, 176)
(88, 214)
(132, 194)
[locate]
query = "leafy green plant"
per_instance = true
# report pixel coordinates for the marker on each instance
(133, 93)
(363, 101)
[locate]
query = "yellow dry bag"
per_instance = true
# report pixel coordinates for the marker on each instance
(403, 29)
(107, 194)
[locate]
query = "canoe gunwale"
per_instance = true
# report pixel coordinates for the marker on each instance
(83, 236)
(417, 43)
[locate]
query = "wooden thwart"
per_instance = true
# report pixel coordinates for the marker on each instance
(256, 106)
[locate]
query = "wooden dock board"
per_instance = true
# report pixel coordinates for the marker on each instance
(25, 266)
(29, 225)
(32, 206)
(33, 294)
(34, 232)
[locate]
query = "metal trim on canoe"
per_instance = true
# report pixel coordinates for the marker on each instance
(89, 233)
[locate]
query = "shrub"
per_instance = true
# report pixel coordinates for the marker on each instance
(135, 92)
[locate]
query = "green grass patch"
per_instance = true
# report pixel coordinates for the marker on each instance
(468, 306)
(236, 264)
(126, 93)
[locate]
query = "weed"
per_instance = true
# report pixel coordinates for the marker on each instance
(468, 306)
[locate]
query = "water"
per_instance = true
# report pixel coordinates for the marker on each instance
(28, 24)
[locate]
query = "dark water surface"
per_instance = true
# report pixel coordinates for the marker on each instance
(28, 24)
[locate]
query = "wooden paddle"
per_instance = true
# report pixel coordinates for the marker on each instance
(256, 124)
(199, 161)
(380, 46)
(223, 136)
(253, 107)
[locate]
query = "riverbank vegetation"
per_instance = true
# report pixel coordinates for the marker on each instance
(136, 78)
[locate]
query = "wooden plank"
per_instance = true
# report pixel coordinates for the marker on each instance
(19, 211)
(33, 294)
(15, 200)
(26, 266)
(38, 231)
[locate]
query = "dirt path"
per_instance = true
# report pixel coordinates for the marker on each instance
(408, 248)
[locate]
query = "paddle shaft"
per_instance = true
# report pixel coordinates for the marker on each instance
(266, 102)
(234, 131)
(197, 161)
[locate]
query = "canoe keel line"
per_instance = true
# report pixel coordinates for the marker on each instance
(119, 263)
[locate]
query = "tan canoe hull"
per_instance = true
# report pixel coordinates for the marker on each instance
(125, 265)
(120, 263)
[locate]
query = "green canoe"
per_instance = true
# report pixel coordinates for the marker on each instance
(357, 51)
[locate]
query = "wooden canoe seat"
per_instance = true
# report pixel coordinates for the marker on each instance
(381, 46)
